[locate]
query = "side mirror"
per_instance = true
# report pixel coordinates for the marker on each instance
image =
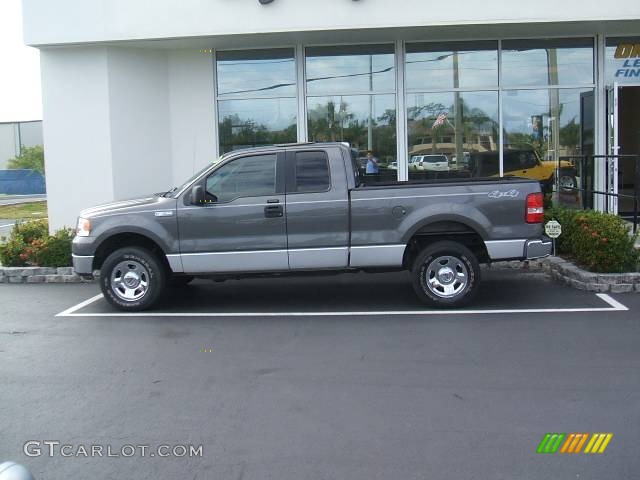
(197, 195)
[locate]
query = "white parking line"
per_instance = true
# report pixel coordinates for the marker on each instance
(615, 306)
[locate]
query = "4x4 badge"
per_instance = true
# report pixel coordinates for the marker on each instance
(507, 193)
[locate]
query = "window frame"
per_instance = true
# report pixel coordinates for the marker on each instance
(279, 177)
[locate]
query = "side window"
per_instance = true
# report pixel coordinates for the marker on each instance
(312, 172)
(243, 177)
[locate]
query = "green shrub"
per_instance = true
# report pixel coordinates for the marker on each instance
(29, 231)
(30, 158)
(601, 242)
(31, 245)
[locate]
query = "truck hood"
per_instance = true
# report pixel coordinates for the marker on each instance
(132, 205)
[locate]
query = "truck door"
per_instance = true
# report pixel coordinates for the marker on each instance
(317, 209)
(241, 225)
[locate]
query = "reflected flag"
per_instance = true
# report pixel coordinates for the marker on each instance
(440, 120)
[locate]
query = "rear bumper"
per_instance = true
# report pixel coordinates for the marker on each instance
(82, 264)
(538, 248)
(519, 249)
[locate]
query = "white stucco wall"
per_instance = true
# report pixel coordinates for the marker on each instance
(65, 21)
(77, 137)
(106, 126)
(192, 112)
(139, 121)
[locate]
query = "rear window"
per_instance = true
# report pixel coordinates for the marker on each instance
(312, 172)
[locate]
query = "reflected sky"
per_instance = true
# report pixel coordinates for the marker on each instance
(520, 105)
(435, 70)
(350, 74)
(256, 76)
(530, 67)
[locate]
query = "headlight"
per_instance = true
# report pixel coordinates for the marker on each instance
(84, 227)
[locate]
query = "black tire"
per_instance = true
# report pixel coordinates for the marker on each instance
(148, 270)
(177, 281)
(454, 287)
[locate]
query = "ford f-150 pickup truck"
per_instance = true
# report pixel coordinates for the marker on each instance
(289, 209)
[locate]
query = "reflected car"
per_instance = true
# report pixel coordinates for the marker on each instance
(526, 164)
(433, 163)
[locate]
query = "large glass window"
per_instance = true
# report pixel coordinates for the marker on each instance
(351, 98)
(453, 134)
(547, 62)
(443, 66)
(256, 98)
(350, 69)
(542, 126)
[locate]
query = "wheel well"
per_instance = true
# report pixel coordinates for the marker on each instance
(453, 231)
(128, 239)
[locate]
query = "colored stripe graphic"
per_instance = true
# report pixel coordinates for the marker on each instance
(574, 443)
(550, 443)
(598, 443)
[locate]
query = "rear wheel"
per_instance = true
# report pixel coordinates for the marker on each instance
(132, 279)
(446, 274)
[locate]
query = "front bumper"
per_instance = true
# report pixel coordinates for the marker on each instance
(538, 248)
(82, 264)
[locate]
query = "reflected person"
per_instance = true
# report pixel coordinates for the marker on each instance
(372, 163)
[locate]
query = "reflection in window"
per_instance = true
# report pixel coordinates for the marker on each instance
(312, 172)
(547, 62)
(256, 122)
(256, 98)
(453, 134)
(350, 69)
(243, 177)
(262, 73)
(435, 66)
(544, 125)
(367, 122)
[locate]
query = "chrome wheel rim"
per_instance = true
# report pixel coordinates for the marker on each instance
(446, 276)
(130, 280)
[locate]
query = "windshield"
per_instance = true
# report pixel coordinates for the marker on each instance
(435, 158)
(175, 190)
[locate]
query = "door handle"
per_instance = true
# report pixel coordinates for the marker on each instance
(273, 211)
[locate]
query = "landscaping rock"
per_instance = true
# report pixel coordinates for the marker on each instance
(15, 279)
(35, 279)
(65, 271)
(71, 279)
(621, 288)
(53, 278)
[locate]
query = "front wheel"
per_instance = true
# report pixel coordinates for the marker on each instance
(446, 274)
(132, 279)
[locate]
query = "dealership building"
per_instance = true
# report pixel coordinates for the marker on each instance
(138, 96)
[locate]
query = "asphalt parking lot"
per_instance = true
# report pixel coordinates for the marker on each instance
(333, 377)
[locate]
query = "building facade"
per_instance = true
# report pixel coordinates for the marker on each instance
(137, 98)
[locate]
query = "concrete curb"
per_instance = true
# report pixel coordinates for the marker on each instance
(40, 275)
(565, 271)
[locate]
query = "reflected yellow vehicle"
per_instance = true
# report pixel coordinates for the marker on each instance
(527, 164)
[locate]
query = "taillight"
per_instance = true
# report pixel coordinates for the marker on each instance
(535, 208)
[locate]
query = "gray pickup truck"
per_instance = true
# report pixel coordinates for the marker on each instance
(297, 208)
